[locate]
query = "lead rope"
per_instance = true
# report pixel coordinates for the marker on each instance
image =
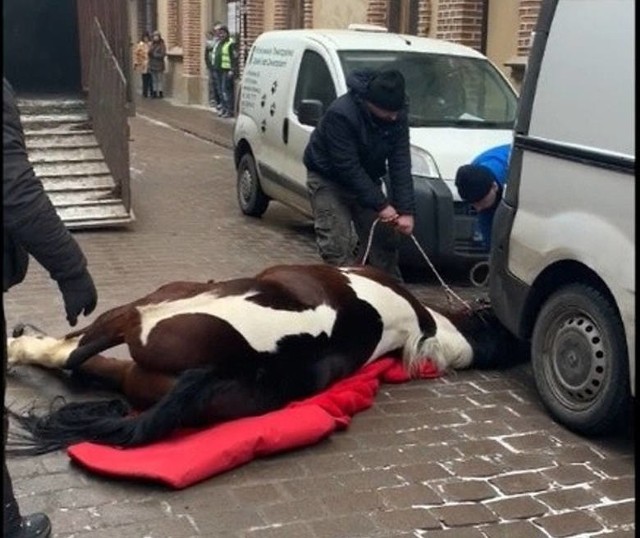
(447, 289)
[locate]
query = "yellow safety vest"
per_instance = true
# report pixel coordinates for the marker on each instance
(225, 54)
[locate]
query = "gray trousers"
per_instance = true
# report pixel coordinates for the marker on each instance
(337, 215)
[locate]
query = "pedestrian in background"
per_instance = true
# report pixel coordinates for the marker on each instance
(32, 226)
(362, 140)
(141, 63)
(482, 183)
(157, 54)
(211, 42)
(225, 65)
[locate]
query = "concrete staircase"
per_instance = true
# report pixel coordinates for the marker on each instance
(66, 157)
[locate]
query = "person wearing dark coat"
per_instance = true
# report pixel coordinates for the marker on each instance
(32, 226)
(358, 164)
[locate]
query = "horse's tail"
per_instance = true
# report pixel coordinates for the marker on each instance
(111, 422)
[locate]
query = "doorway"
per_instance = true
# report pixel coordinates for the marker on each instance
(41, 46)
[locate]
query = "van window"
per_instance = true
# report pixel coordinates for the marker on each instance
(314, 81)
(445, 91)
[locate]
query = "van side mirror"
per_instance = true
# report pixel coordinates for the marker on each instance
(309, 111)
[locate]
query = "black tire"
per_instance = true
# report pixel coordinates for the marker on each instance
(580, 361)
(251, 198)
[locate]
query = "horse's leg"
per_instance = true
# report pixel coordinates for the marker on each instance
(142, 388)
(41, 350)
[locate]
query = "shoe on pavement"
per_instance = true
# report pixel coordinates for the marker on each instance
(32, 526)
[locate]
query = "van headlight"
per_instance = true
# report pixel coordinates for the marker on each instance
(423, 164)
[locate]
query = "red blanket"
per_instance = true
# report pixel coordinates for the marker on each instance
(191, 456)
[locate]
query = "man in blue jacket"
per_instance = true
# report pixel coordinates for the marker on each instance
(361, 143)
(482, 183)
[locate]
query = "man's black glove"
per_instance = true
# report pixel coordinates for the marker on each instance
(80, 296)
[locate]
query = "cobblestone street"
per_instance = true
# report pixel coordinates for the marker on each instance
(468, 455)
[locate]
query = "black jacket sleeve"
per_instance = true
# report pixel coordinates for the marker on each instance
(340, 141)
(399, 164)
(29, 218)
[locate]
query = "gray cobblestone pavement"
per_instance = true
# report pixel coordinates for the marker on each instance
(468, 455)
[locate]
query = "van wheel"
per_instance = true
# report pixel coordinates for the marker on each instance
(252, 200)
(580, 361)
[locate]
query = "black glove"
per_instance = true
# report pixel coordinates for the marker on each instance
(80, 296)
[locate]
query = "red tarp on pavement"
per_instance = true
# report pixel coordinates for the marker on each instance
(191, 456)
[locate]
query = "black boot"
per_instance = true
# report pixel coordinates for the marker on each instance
(31, 526)
(14, 525)
(160, 94)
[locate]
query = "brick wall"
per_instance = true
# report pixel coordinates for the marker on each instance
(460, 21)
(308, 13)
(377, 12)
(424, 17)
(528, 13)
(281, 15)
(172, 39)
(192, 37)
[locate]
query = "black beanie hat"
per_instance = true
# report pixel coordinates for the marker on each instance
(474, 182)
(386, 90)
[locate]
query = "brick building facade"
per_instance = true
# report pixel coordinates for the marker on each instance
(501, 29)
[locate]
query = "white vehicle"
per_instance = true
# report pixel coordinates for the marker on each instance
(459, 105)
(562, 264)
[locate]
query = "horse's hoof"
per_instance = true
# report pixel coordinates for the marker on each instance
(18, 330)
(26, 329)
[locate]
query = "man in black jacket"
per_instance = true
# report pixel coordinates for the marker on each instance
(32, 226)
(358, 152)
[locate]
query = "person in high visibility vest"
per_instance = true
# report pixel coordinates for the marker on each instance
(225, 64)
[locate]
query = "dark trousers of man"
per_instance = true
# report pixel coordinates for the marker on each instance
(11, 513)
(227, 87)
(147, 88)
(214, 92)
(335, 211)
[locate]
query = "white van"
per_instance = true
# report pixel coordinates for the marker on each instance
(562, 266)
(459, 105)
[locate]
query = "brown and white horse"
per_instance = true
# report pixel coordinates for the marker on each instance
(208, 352)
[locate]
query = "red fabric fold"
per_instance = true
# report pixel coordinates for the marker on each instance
(189, 457)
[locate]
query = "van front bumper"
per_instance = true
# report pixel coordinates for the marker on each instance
(444, 228)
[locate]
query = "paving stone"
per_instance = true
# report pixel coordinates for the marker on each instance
(410, 495)
(617, 514)
(294, 511)
(616, 489)
(513, 529)
(474, 467)
(358, 526)
(614, 468)
(406, 520)
(522, 507)
(568, 475)
(521, 483)
(530, 441)
(455, 533)
(467, 490)
(461, 515)
(568, 524)
(574, 497)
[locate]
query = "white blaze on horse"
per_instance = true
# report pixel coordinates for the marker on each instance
(208, 352)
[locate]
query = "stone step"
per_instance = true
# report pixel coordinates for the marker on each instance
(72, 121)
(65, 139)
(60, 130)
(65, 155)
(78, 196)
(51, 106)
(93, 214)
(55, 170)
(78, 183)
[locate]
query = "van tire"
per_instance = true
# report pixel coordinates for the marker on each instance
(591, 393)
(251, 198)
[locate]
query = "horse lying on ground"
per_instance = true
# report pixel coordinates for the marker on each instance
(208, 352)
